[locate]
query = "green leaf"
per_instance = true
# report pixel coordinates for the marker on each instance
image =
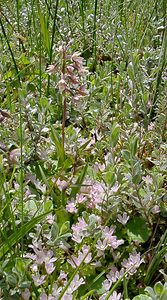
(126, 155)
(158, 288)
(47, 206)
(54, 231)
(142, 297)
(115, 131)
(137, 229)
(47, 183)
(75, 189)
(65, 228)
(44, 29)
(20, 233)
(62, 216)
(59, 146)
(90, 293)
(133, 145)
(20, 265)
(110, 178)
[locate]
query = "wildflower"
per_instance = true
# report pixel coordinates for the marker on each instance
(26, 294)
(73, 79)
(79, 230)
(50, 219)
(155, 209)
(70, 69)
(95, 193)
(123, 219)
(107, 232)
(110, 239)
(56, 292)
(101, 246)
(62, 85)
(82, 90)
(107, 240)
(62, 184)
(38, 280)
(51, 69)
(75, 284)
(71, 207)
(83, 256)
(114, 296)
(80, 198)
(43, 296)
(114, 274)
(62, 276)
(14, 156)
(42, 256)
(75, 57)
(148, 180)
(132, 263)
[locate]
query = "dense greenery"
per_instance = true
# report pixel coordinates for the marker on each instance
(83, 152)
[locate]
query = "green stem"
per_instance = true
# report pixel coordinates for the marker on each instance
(52, 42)
(94, 33)
(63, 120)
(10, 50)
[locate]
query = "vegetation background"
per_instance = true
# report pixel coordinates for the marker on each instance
(83, 152)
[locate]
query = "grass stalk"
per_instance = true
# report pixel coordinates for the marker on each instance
(52, 41)
(95, 33)
(21, 167)
(162, 63)
(63, 120)
(10, 50)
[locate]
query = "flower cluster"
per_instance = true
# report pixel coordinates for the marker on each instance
(72, 73)
(132, 263)
(41, 256)
(108, 240)
(68, 295)
(92, 193)
(129, 266)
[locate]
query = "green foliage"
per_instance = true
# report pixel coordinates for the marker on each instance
(83, 152)
(137, 230)
(159, 292)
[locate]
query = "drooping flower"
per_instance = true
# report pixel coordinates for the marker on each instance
(62, 85)
(76, 57)
(51, 69)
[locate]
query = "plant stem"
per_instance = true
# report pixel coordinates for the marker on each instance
(11, 52)
(64, 119)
